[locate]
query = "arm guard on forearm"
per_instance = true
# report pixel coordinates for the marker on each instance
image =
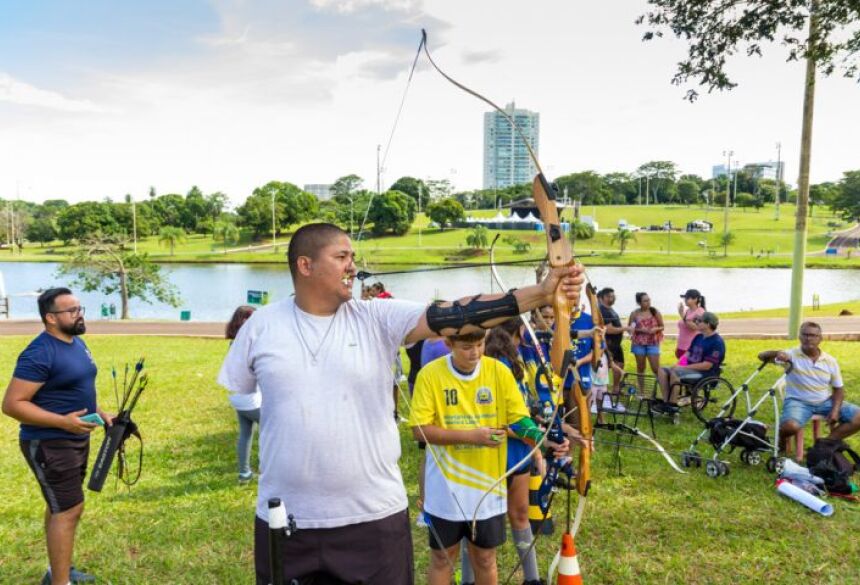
(475, 312)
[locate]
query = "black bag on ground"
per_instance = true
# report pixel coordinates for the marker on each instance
(753, 435)
(827, 460)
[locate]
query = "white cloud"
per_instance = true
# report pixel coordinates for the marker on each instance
(21, 93)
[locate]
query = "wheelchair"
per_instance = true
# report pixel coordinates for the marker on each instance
(705, 395)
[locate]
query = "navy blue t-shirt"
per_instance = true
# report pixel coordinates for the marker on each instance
(707, 349)
(68, 373)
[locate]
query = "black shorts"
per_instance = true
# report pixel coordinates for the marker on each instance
(489, 533)
(60, 466)
(370, 553)
(616, 353)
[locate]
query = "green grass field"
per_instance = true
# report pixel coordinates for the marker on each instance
(760, 241)
(188, 522)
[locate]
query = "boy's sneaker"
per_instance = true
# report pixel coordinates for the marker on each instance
(246, 477)
(671, 408)
(75, 576)
(420, 521)
(658, 407)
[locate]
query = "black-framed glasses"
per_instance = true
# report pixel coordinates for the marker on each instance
(73, 311)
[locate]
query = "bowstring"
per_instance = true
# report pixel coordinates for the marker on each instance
(393, 131)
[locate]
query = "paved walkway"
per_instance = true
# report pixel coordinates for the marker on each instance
(843, 328)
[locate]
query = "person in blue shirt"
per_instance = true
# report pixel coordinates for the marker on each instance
(581, 337)
(704, 357)
(52, 387)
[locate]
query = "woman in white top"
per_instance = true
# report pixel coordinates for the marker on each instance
(247, 405)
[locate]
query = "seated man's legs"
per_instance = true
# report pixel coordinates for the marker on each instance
(795, 415)
(849, 421)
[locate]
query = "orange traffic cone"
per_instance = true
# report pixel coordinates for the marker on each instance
(568, 566)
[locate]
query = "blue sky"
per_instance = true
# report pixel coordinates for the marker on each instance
(99, 99)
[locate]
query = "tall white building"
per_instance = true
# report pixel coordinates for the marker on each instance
(506, 159)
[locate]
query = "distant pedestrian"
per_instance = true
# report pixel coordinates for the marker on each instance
(691, 307)
(614, 334)
(247, 405)
(647, 334)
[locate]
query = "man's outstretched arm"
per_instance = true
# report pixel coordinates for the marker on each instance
(486, 311)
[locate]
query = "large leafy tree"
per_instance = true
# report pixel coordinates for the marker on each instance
(847, 199)
(413, 187)
(83, 220)
(292, 206)
(659, 177)
(823, 33)
(587, 186)
(105, 264)
(345, 186)
(445, 212)
(392, 212)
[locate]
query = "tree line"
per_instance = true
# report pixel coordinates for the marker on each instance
(361, 211)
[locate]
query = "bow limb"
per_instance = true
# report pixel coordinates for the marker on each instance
(617, 427)
(597, 318)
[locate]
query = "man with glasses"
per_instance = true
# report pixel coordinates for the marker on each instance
(52, 387)
(813, 386)
(706, 353)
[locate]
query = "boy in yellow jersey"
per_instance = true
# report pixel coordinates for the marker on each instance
(462, 405)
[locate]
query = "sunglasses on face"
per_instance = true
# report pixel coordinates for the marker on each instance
(73, 311)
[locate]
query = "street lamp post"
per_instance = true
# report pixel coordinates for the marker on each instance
(728, 154)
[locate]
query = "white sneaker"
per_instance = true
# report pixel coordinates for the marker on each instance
(420, 522)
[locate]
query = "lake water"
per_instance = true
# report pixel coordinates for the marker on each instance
(212, 291)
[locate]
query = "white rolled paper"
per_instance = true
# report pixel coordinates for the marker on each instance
(798, 495)
(277, 514)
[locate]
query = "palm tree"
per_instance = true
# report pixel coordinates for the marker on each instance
(623, 237)
(478, 238)
(171, 236)
(227, 232)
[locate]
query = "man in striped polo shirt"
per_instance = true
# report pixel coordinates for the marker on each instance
(814, 386)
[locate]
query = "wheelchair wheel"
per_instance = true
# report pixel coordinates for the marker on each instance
(712, 468)
(754, 458)
(745, 457)
(709, 396)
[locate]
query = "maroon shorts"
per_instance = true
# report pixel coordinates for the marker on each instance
(371, 553)
(60, 466)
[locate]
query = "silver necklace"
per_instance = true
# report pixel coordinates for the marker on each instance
(314, 354)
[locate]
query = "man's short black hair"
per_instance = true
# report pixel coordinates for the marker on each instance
(310, 239)
(605, 291)
(47, 300)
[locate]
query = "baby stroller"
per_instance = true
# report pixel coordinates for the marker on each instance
(749, 435)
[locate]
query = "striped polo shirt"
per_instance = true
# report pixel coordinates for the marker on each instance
(812, 381)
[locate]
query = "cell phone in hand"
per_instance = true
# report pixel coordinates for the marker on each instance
(93, 418)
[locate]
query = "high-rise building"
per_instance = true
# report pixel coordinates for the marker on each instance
(506, 158)
(322, 191)
(759, 170)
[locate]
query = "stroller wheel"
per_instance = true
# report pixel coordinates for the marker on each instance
(712, 468)
(775, 464)
(754, 458)
(745, 457)
(724, 468)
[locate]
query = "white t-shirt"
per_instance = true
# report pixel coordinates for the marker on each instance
(329, 444)
(812, 381)
(245, 402)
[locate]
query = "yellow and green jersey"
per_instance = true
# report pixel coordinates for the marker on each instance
(457, 476)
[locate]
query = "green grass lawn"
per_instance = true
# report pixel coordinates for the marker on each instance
(829, 310)
(760, 241)
(187, 521)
